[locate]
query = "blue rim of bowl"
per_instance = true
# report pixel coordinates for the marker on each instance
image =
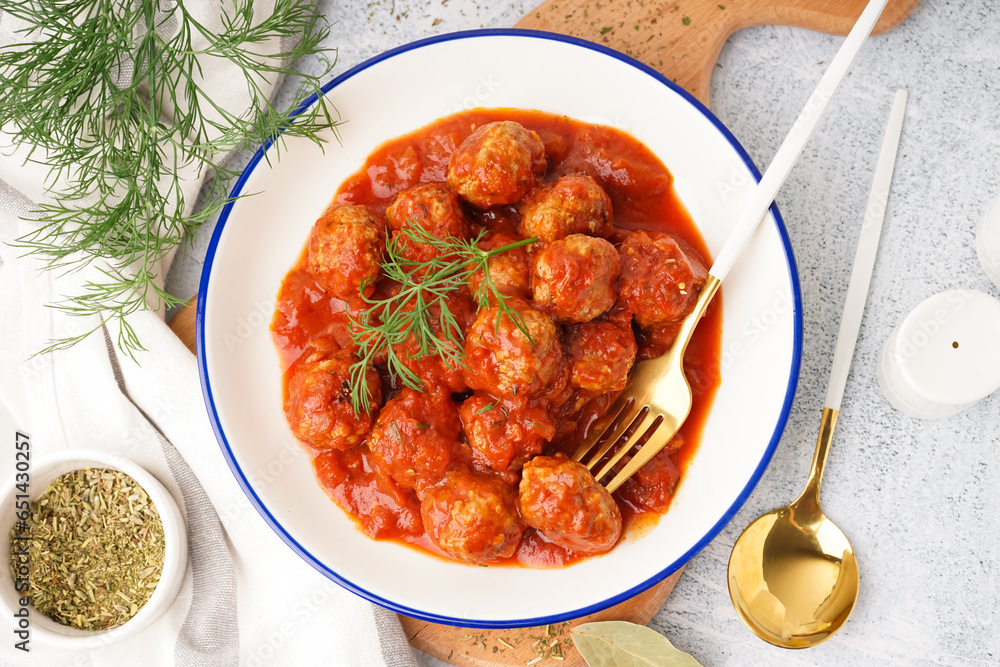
(276, 526)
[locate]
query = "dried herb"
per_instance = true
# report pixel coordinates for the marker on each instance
(627, 644)
(553, 645)
(96, 550)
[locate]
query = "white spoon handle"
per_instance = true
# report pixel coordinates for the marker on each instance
(864, 258)
(796, 140)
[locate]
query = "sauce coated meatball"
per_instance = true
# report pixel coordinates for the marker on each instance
(652, 486)
(432, 369)
(576, 278)
(318, 406)
(344, 250)
(600, 356)
(496, 164)
(561, 500)
(659, 281)
(575, 204)
(510, 271)
(415, 438)
(502, 360)
(433, 207)
(504, 434)
(472, 518)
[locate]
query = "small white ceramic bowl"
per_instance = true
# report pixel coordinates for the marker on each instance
(260, 236)
(43, 472)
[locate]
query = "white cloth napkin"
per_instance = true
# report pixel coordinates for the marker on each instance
(246, 598)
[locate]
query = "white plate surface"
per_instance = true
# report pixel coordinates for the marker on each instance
(260, 237)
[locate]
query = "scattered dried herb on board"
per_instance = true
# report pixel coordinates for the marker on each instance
(96, 550)
(546, 643)
(552, 645)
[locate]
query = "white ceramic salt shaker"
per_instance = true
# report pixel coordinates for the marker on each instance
(944, 356)
(988, 242)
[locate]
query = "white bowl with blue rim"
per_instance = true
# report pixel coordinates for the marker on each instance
(260, 237)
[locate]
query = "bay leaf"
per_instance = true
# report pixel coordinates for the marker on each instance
(623, 644)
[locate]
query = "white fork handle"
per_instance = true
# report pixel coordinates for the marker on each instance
(796, 140)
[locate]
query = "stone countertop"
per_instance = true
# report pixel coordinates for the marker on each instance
(918, 499)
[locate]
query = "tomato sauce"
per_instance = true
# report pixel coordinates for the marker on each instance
(642, 196)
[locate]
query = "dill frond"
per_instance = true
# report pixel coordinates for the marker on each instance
(419, 307)
(110, 96)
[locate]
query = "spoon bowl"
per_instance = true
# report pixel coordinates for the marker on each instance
(793, 577)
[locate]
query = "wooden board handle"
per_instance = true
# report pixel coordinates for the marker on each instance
(184, 324)
(681, 39)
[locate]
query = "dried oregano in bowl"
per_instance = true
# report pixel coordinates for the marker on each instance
(96, 549)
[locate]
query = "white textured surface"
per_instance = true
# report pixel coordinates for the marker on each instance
(919, 500)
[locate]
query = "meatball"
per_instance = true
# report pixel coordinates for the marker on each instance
(431, 369)
(472, 518)
(575, 204)
(415, 438)
(433, 207)
(496, 164)
(318, 406)
(652, 486)
(510, 271)
(500, 359)
(426, 362)
(504, 434)
(345, 249)
(600, 356)
(561, 500)
(659, 281)
(576, 278)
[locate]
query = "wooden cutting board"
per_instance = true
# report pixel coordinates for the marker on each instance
(681, 39)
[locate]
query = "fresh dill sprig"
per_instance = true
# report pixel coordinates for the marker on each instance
(419, 307)
(110, 96)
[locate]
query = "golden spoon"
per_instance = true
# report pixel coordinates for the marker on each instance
(793, 577)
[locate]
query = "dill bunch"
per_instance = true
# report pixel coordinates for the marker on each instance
(419, 307)
(112, 97)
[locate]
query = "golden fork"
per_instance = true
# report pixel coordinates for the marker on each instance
(657, 398)
(657, 395)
